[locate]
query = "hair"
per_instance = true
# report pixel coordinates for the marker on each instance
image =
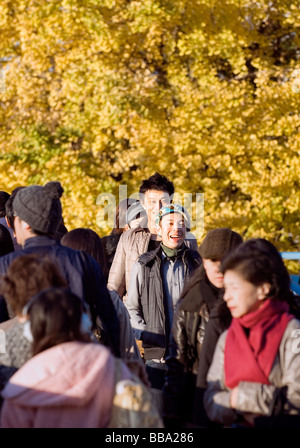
(26, 276)
(9, 211)
(6, 241)
(258, 261)
(55, 317)
(89, 241)
(4, 196)
(157, 182)
(120, 216)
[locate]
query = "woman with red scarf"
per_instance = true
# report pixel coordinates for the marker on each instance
(256, 366)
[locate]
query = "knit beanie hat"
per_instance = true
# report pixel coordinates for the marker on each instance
(40, 206)
(218, 242)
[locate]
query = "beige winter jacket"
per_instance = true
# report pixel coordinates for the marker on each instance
(255, 398)
(132, 244)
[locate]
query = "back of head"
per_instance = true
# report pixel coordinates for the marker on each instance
(56, 316)
(258, 261)
(218, 242)
(157, 182)
(4, 196)
(88, 240)
(26, 276)
(9, 210)
(6, 242)
(40, 206)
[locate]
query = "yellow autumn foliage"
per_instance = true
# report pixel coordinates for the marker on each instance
(103, 93)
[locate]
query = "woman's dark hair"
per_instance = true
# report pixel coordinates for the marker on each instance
(157, 182)
(258, 261)
(4, 196)
(6, 242)
(88, 240)
(55, 317)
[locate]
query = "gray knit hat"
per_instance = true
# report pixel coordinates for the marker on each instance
(40, 206)
(218, 242)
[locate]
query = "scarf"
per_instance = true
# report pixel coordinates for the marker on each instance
(173, 254)
(251, 358)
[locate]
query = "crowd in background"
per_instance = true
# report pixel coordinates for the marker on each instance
(200, 336)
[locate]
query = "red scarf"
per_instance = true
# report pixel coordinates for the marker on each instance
(251, 358)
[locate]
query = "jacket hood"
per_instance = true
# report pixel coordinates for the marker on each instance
(68, 374)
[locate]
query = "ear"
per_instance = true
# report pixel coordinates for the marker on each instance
(263, 291)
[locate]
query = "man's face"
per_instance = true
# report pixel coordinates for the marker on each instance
(173, 230)
(153, 201)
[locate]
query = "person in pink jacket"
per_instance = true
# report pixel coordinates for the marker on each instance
(70, 380)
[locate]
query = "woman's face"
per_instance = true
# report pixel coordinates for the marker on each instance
(241, 296)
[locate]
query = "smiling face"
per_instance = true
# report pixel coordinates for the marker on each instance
(214, 275)
(241, 296)
(152, 201)
(172, 230)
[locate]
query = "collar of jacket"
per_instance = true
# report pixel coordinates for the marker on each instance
(40, 240)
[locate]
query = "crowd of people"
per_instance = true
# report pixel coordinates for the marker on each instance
(143, 327)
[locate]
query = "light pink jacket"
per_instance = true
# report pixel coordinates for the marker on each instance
(70, 385)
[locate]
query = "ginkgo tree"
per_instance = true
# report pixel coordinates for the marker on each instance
(103, 93)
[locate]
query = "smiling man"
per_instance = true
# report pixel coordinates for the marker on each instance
(156, 282)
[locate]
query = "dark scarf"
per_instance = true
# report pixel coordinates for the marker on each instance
(251, 358)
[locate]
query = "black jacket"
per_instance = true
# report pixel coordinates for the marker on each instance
(156, 336)
(189, 344)
(85, 279)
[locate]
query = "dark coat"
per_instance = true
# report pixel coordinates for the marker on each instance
(85, 279)
(156, 336)
(189, 344)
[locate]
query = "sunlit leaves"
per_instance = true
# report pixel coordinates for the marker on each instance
(103, 93)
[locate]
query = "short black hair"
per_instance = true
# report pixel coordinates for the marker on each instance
(4, 196)
(157, 182)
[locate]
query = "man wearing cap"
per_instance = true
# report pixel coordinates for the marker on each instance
(37, 216)
(199, 319)
(156, 282)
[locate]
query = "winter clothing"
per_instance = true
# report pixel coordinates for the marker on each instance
(40, 207)
(16, 245)
(110, 243)
(128, 347)
(132, 244)
(190, 323)
(17, 352)
(255, 397)
(219, 241)
(250, 357)
(70, 385)
(146, 302)
(85, 279)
